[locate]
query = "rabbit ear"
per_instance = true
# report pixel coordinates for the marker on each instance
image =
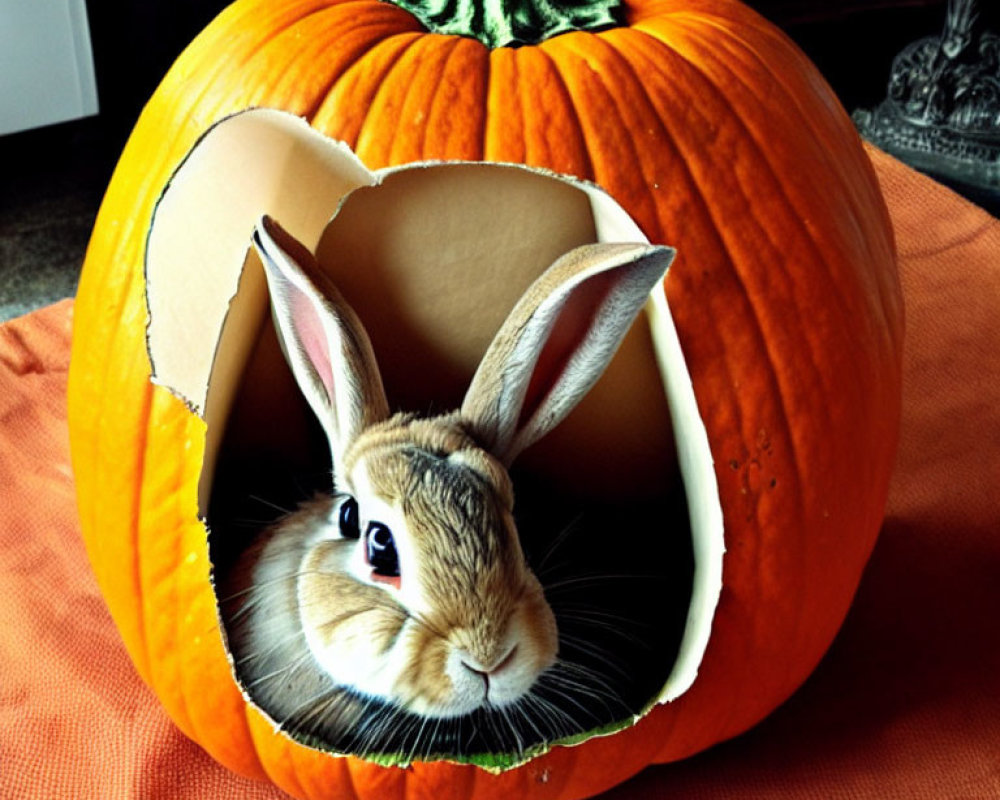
(323, 340)
(557, 341)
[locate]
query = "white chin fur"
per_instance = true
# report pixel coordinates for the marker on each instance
(471, 691)
(373, 672)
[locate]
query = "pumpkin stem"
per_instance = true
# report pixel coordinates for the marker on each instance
(509, 23)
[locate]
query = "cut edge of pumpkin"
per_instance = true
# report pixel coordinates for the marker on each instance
(204, 322)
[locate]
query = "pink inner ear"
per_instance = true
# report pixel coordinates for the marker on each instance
(312, 335)
(571, 328)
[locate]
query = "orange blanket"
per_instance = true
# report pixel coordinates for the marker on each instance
(906, 704)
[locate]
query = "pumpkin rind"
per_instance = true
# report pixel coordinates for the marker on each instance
(719, 138)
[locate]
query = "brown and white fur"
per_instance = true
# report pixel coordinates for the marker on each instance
(465, 625)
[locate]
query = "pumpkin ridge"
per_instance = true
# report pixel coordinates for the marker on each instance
(356, 34)
(289, 15)
(415, 790)
(645, 210)
(503, 83)
(247, 734)
(698, 196)
(310, 786)
(752, 310)
(381, 789)
(435, 104)
(169, 679)
(622, 53)
(278, 769)
(186, 627)
(834, 286)
(359, 74)
(366, 151)
(98, 455)
(570, 106)
(86, 510)
(137, 559)
(850, 189)
(200, 59)
(160, 169)
(780, 78)
(428, 81)
(712, 224)
(124, 300)
(661, 118)
(782, 414)
(749, 136)
(400, 148)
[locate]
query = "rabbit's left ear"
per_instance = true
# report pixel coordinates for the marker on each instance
(557, 341)
(323, 340)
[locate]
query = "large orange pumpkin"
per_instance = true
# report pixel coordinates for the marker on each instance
(715, 133)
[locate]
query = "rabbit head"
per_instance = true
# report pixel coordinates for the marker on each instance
(414, 587)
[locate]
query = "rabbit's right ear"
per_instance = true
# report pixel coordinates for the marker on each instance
(323, 340)
(557, 341)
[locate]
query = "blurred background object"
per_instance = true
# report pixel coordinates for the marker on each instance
(942, 110)
(46, 64)
(53, 177)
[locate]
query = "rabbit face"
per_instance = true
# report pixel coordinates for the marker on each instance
(464, 623)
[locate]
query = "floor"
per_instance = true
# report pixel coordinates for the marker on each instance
(49, 198)
(53, 179)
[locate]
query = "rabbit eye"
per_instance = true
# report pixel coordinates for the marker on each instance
(382, 550)
(349, 526)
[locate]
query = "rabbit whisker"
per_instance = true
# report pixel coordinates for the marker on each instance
(417, 738)
(607, 657)
(560, 539)
(282, 672)
(433, 737)
(259, 586)
(589, 680)
(510, 715)
(568, 697)
(593, 689)
(612, 624)
(416, 741)
(522, 709)
(270, 651)
(377, 718)
(560, 722)
(269, 503)
(339, 619)
(592, 580)
(314, 708)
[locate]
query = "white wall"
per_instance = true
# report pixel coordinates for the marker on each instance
(46, 64)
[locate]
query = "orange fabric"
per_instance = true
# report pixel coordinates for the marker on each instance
(906, 705)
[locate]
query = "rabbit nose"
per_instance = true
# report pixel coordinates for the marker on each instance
(489, 669)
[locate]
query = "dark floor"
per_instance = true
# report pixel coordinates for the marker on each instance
(53, 178)
(47, 208)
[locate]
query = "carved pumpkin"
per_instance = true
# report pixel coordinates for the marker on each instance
(719, 138)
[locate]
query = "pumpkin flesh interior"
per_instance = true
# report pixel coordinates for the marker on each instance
(432, 258)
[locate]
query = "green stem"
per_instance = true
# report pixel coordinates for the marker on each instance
(508, 23)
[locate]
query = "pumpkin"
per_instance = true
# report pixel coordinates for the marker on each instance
(718, 137)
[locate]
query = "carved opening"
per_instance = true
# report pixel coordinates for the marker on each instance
(432, 258)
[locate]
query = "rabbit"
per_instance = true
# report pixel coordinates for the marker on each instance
(406, 587)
